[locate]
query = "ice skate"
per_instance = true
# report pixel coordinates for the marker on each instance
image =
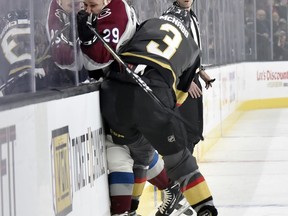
(183, 208)
(207, 211)
(170, 201)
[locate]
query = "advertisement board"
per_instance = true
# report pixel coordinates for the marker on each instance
(53, 159)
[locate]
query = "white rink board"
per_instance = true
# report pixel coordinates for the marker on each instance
(266, 80)
(223, 98)
(242, 82)
(53, 159)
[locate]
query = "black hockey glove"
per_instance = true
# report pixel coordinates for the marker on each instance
(86, 36)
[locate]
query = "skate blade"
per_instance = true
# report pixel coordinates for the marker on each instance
(183, 209)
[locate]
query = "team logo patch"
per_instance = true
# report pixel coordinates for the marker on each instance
(104, 13)
(171, 138)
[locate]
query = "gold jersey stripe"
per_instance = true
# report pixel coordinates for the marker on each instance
(181, 97)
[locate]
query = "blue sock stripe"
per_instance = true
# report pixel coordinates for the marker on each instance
(154, 161)
(121, 178)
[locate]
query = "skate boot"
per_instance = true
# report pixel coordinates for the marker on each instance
(207, 211)
(134, 207)
(170, 201)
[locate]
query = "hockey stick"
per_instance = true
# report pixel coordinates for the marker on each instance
(13, 79)
(141, 82)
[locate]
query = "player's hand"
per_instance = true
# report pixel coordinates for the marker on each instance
(194, 90)
(39, 73)
(206, 78)
(209, 83)
(86, 36)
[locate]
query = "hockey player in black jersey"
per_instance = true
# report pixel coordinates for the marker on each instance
(15, 52)
(170, 54)
(191, 109)
(19, 74)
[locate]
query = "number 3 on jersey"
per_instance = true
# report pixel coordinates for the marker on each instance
(172, 43)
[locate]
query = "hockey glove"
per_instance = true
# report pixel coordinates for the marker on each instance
(86, 36)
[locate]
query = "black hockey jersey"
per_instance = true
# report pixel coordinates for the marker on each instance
(165, 44)
(15, 50)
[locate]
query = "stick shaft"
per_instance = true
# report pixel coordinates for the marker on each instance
(138, 79)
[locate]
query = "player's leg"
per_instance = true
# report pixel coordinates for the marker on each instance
(142, 153)
(157, 176)
(193, 184)
(171, 143)
(192, 111)
(116, 112)
(121, 177)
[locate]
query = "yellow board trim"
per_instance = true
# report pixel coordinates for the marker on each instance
(264, 104)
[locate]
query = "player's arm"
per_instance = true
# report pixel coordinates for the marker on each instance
(96, 55)
(61, 38)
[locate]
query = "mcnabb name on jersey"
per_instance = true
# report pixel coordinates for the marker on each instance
(176, 22)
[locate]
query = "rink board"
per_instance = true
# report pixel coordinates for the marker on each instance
(53, 159)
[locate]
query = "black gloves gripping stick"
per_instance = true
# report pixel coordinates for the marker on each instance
(86, 36)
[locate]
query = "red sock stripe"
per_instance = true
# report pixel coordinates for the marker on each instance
(161, 181)
(120, 204)
(192, 184)
(140, 180)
